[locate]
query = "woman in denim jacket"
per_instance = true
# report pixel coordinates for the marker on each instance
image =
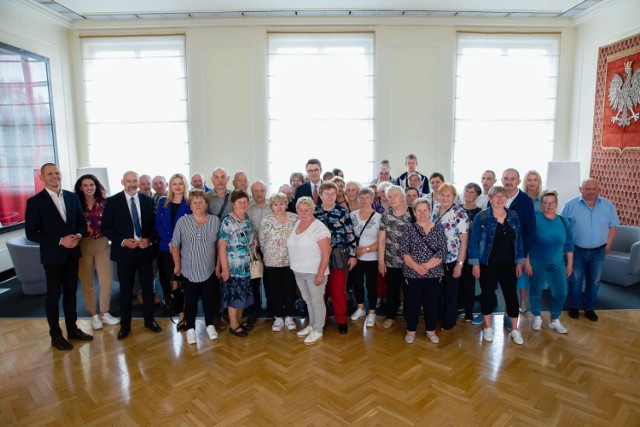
(496, 254)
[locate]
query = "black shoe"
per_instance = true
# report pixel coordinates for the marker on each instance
(573, 313)
(153, 326)
(182, 326)
(124, 332)
(591, 315)
(247, 326)
(343, 328)
(239, 332)
(77, 334)
(61, 344)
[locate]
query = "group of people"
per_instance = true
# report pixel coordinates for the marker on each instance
(412, 240)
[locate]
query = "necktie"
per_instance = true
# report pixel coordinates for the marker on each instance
(315, 194)
(136, 219)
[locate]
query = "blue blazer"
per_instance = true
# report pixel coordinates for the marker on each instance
(164, 226)
(301, 191)
(117, 225)
(44, 225)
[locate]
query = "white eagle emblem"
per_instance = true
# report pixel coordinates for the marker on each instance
(625, 96)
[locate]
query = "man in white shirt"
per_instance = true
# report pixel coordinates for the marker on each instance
(487, 181)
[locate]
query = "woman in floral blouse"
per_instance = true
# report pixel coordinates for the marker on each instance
(234, 256)
(337, 220)
(281, 283)
(95, 251)
(455, 222)
(423, 247)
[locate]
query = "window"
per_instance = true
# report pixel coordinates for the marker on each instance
(505, 109)
(136, 105)
(320, 104)
(27, 137)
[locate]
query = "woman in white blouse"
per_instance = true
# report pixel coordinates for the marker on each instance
(366, 223)
(281, 284)
(309, 250)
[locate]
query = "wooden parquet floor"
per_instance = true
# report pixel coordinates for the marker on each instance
(589, 377)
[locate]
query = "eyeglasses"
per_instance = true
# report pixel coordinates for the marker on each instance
(313, 170)
(550, 203)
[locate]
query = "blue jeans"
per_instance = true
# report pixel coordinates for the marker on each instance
(587, 266)
(555, 275)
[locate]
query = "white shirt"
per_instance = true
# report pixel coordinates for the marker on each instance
(136, 199)
(58, 200)
(304, 252)
(483, 201)
(367, 236)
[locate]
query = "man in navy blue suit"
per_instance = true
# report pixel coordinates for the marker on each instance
(311, 188)
(129, 222)
(55, 220)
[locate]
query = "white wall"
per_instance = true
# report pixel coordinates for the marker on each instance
(600, 26)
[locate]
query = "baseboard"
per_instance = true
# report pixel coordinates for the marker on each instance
(8, 274)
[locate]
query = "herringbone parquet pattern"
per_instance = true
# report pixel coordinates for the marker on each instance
(368, 377)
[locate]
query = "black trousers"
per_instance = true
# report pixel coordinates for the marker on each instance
(142, 263)
(505, 274)
(62, 279)
(281, 290)
(467, 291)
(395, 279)
(449, 299)
(366, 274)
(205, 291)
(165, 271)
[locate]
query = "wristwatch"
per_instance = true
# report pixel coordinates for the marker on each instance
(366, 248)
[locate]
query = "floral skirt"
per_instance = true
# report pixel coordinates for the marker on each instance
(237, 292)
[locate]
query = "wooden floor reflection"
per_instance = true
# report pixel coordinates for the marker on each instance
(368, 377)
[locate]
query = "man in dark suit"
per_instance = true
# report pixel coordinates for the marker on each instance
(55, 220)
(311, 188)
(128, 221)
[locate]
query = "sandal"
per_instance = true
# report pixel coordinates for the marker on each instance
(239, 332)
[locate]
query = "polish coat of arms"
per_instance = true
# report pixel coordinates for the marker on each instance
(624, 96)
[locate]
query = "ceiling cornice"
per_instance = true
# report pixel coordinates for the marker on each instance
(36, 11)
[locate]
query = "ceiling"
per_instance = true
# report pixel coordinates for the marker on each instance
(197, 9)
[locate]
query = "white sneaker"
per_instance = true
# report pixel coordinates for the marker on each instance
(304, 332)
(358, 314)
(371, 320)
(555, 324)
(409, 338)
(191, 336)
(277, 324)
(487, 334)
(109, 319)
(211, 331)
(433, 338)
(388, 323)
(290, 323)
(537, 323)
(313, 337)
(517, 337)
(96, 323)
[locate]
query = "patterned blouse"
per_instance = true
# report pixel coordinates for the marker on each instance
(455, 223)
(273, 240)
(239, 238)
(392, 226)
(339, 224)
(422, 248)
(93, 218)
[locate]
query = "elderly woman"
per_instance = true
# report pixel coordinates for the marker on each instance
(309, 248)
(454, 220)
(193, 247)
(366, 224)
(96, 252)
(390, 261)
(274, 232)
(467, 292)
(340, 198)
(423, 246)
(382, 203)
(296, 179)
(235, 243)
(496, 254)
(170, 209)
(343, 248)
(352, 191)
(552, 245)
(414, 180)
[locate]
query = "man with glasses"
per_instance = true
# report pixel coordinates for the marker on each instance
(310, 188)
(594, 221)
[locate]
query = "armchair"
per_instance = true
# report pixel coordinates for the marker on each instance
(622, 263)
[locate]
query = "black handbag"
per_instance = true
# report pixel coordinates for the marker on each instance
(339, 258)
(173, 302)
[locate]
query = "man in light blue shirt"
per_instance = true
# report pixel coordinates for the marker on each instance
(594, 221)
